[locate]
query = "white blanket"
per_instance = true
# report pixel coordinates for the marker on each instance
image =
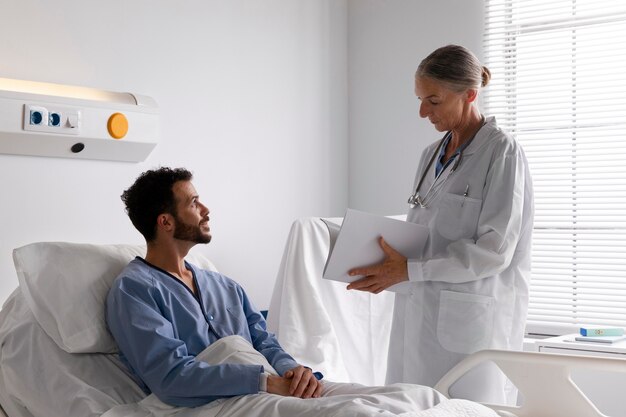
(338, 399)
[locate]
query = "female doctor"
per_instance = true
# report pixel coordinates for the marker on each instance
(474, 193)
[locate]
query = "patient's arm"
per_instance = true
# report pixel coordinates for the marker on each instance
(150, 346)
(298, 381)
(278, 385)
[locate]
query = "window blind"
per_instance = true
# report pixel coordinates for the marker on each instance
(559, 86)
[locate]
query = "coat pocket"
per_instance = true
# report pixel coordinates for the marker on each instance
(465, 323)
(458, 216)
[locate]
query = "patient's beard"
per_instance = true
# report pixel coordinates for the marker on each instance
(190, 233)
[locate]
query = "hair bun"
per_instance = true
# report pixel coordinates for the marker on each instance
(486, 76)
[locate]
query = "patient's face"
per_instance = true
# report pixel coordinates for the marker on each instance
(192, 217)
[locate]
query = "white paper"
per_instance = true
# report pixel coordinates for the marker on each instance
(355, 244)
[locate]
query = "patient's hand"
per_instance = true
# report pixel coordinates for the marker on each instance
(303, 383)
(297, 382)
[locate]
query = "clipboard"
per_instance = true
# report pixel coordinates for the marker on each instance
(354, 243)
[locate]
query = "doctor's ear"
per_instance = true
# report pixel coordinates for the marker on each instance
(472, 94)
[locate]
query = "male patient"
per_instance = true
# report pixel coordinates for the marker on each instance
(170, 317)
(163, 311)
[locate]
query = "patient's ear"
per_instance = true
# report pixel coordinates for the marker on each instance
(165, 221)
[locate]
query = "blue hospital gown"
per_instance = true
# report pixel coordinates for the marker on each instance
(160, 326)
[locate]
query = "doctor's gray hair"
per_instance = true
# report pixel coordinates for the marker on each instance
(456, 67)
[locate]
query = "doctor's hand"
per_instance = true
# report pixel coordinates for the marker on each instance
(297, 382)
(379, 277)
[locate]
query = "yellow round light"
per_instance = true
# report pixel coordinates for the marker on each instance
(117, 125)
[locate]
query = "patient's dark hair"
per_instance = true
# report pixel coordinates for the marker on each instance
(152, 195)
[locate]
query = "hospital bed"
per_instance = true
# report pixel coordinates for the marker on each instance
(58, 359)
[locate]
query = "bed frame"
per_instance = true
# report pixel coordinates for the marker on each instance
(543, 379)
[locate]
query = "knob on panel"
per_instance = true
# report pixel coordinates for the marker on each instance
(117, 125)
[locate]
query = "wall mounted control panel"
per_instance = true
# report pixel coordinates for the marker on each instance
(55, 120)
(58, 120)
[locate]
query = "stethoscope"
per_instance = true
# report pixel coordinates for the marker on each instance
(416, 199)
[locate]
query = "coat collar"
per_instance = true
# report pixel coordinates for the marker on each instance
(482, 136)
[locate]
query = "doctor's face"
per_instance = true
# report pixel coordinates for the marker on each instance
(443, 107)
(192, 217)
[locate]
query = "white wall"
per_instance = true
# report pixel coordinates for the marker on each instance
(253, 100)
(387, 41)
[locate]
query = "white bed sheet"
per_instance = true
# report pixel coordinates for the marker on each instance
(339, 399)
(266, 405)
(344, 334)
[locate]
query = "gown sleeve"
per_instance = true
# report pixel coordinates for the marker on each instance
(264, 341)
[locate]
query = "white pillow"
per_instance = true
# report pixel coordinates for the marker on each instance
(66, 285)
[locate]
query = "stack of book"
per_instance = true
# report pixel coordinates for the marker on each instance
(598, 334)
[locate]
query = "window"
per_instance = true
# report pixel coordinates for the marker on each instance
(559, 86)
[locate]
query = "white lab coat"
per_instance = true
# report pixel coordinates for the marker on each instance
(470, 288)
